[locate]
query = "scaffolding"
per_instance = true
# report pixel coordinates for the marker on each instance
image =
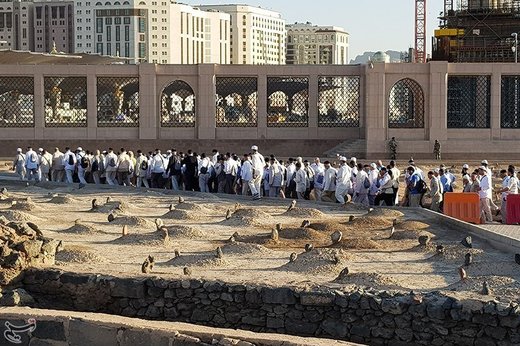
(477, 31)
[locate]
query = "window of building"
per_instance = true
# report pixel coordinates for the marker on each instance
(118, 49)
(142, 25)
(142, 50)
(118, 33)
(108, 21)
(117, 20)
(126, 20)
(99, 48)
(99, 25)
(109, 33)
(100, 38)
(127, 33)
(127, 50)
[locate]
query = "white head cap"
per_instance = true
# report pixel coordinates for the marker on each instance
(80, 148)
(19, 150)
(484, 162)
(436, 170)
(483, 168)
(466, 166)
(254, 147)
(40, 149)
(373, 165)
(353, 159)
(466, 177)
(343, 158)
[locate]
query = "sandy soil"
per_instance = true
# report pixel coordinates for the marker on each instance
(194, 229)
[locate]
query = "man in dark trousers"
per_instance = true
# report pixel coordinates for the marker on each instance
(190, 173)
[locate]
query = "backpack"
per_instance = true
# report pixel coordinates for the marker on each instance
(33, 157)
(177, 166)
(203, 170)
(421, 186)
(71, 160)
(112, 162)
(366, 183)
(84, 162)
(95, 166)
(144, 165)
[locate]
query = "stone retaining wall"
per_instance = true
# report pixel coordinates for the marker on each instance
(370, 317)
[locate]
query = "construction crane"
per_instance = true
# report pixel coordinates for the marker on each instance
(420, 31)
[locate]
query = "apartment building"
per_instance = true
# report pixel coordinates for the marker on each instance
(313, 44)
(15, 24)
(53, 26)
(257, 35)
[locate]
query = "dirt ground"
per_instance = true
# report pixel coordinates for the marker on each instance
(196, 227)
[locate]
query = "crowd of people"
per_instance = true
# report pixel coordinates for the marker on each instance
(252, 174)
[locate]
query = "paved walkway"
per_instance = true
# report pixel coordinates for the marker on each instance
(511, 231)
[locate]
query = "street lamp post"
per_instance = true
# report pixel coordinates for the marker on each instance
(515, 48)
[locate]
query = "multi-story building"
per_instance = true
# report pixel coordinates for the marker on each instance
(313, 44)
(53, 26)
(15, 24)
(257, 35)
(193, 37)
(154, 31)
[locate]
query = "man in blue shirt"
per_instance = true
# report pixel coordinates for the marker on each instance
(445, 181)
(415, 195)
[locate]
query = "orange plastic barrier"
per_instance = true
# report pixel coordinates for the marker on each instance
(463, 206)
(513, 209)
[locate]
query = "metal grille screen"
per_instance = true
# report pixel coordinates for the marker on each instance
(118, 101)
(65, 101)
(469, 102)
(16, 101)
(236, 102)
(338, 101)
(406, 105)
(178, 105)
(510, 105)
(288, 101)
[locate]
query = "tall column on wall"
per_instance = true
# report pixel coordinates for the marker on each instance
(438, 102)
(375, 111)
(91, 103)
(148, 105)
(206, 105)
(496, 93)
(39, 106)
(313, 106)
(262, 104)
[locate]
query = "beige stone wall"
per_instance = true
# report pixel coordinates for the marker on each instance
(375, 86)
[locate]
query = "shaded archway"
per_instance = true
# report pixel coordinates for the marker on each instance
(406, 105)
(118, 101)
(287, 101)
(178, 105)
(65, 101)
(236, 100)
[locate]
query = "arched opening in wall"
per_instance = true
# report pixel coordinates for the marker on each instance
(287, 101)
(118, 101)
(16, 102)
(178, 105)
(406, 105)
(236, 100)
(65, 101)
(338, 101)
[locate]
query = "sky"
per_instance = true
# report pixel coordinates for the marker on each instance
(373, 25)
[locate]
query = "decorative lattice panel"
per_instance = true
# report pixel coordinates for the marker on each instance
(16, 102)
(118, 101)
(406, 105)
(288, 101)
(236, 102)
(178, 105)
(510, 103)
(65, 101)
(469, 102)
(338, 101)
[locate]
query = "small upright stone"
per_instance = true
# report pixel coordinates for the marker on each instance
(336, 237)
(351, 218)
(236, 235)
(292, 206)
(462, 274)
(467, 242)
(219, 253)
(176, 254)
(164, 233)
(125, 230)
(440, 249)
(468, 259)
(486, 291)
(305, 224)
(109, 199)
(308, 247)
(187, 271)
(170, 208)
(394, 223)
(3, 191)
(159, 223)
(274, 234)
(148, 264)
(336, 260)
(94, 204)
(237, 206)
(228, 214)
(111, 217)
(424, 240)
(181, 199)
(279, 227)
(392, 232)
(231, 240)
(293, 257)
(343, 274)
